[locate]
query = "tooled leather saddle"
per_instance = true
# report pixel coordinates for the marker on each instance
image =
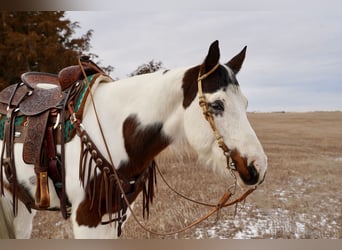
(34, 113)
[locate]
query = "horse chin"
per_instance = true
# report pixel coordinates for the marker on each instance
(241, 183)
(217, 164)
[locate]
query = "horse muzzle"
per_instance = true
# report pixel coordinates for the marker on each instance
(251, 173)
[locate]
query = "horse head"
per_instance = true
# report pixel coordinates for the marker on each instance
(227, 105)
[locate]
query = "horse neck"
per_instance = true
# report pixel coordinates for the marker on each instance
(152, 98)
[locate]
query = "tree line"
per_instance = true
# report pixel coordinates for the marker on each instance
(45, 41)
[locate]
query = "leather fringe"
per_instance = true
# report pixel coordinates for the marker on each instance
(98, 179)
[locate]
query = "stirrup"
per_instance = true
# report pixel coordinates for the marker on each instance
(42, 197)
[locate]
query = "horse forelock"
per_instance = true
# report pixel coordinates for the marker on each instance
(220, 79)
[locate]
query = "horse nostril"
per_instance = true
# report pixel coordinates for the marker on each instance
(253, 175)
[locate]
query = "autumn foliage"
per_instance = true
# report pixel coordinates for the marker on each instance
(37, 41)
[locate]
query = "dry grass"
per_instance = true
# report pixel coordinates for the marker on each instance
(299, 199)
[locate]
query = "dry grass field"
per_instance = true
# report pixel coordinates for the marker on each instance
(300, 198)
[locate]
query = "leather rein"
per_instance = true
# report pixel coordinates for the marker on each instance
(224, 200)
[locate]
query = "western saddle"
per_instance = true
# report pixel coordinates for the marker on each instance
(35, 113)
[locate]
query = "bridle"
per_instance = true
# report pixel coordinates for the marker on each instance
(223, 202)
(210, 119)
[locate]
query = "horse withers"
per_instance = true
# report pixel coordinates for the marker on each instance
(126, 123)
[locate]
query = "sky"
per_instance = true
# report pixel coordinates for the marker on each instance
(294, 55)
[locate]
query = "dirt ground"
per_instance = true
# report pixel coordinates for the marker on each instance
(300, 198)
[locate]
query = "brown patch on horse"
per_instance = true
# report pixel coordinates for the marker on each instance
(240, 163)
(189, 86)
(217, 80)
(142, 144)
(87, 215)
(248, 173)
(90, 211)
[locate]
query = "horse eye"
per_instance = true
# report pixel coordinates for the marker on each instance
(217, 106)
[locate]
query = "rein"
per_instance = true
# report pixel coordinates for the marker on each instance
(223, 202)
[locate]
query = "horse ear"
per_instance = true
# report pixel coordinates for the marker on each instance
(236, 62)
(213, 56)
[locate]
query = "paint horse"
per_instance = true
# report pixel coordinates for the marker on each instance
(125, 124)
